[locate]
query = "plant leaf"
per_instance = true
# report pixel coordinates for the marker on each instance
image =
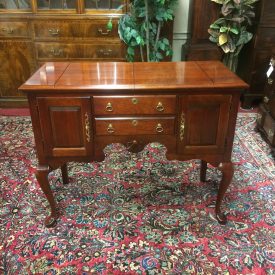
(223, 39)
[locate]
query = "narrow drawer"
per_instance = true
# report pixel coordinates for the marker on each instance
(48, 50)
(98, 29)
(60, 29)
(14, 29)
(135, 126)
(146, 105)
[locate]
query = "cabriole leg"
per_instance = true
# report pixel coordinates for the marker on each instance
(64, 171)
(203, 170)
(42, 177)
(227, 173)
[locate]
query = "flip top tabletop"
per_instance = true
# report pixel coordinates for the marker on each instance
(132, 76)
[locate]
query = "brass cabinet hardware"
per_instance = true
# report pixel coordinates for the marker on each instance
(56, 52)
(134, 122)
(159, 128)
(134, 100)
(270, 133)
(105, 52)
(109, 107)
(107, 32)
(270, 81)
(160, 107)
(54, 32)
(87, 127)
(7, 30)
(110, 129)
(266, 99)
(259, 117)
(182, 126)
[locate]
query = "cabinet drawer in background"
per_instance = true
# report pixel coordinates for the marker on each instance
(61, 29)
(127, 105)
(48, 50)
(135, 126)
(14, 29)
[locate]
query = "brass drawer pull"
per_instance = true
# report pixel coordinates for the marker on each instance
(100, 31)
(54, 32)
(109, 107)
(105, 52)
(266, 99)
(159, 128)
(87, 127)
(270, 133)
(110, 129)
(160, 107)
(7, 30)
(182, 126)
(56, 52)
(270, 81)
(135, 122)
(134, 100)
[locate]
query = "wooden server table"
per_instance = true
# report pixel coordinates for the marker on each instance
(79, 108)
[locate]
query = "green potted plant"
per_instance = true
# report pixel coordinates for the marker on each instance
(140, 29)
(230, 31)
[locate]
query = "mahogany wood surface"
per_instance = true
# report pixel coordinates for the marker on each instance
(78, 108)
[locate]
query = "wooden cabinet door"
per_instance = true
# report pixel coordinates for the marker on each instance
(203, 123)
(66, 126)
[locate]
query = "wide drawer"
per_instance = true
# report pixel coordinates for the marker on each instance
(135, 126)
(132, 143)
(14, 29)
(146, 105)
(72, 50)
(60, 29)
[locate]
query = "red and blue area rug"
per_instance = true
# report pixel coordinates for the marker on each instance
(137, 213)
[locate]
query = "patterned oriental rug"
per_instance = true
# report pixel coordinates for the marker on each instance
(137, 213)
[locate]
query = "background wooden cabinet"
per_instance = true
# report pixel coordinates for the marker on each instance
(255, 57)
(35, 31)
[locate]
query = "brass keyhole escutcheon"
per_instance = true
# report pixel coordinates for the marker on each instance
(109, 107)
(134, 122)
(110, 129)
(134, 100)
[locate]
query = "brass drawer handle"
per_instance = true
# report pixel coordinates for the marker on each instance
(134, 122)
(87, 127)
(159, 128)
(182, 126)
(105, 52)
(110, 129)
(54, 32)
(270, 133)
(160, 107)
(7, 30)
(100, 31)
(266, 99)
(134, 100)
(270, 81)
(109, 107)
(56, 52)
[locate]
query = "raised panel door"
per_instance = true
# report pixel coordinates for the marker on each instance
(66, 126)
(203, 123)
